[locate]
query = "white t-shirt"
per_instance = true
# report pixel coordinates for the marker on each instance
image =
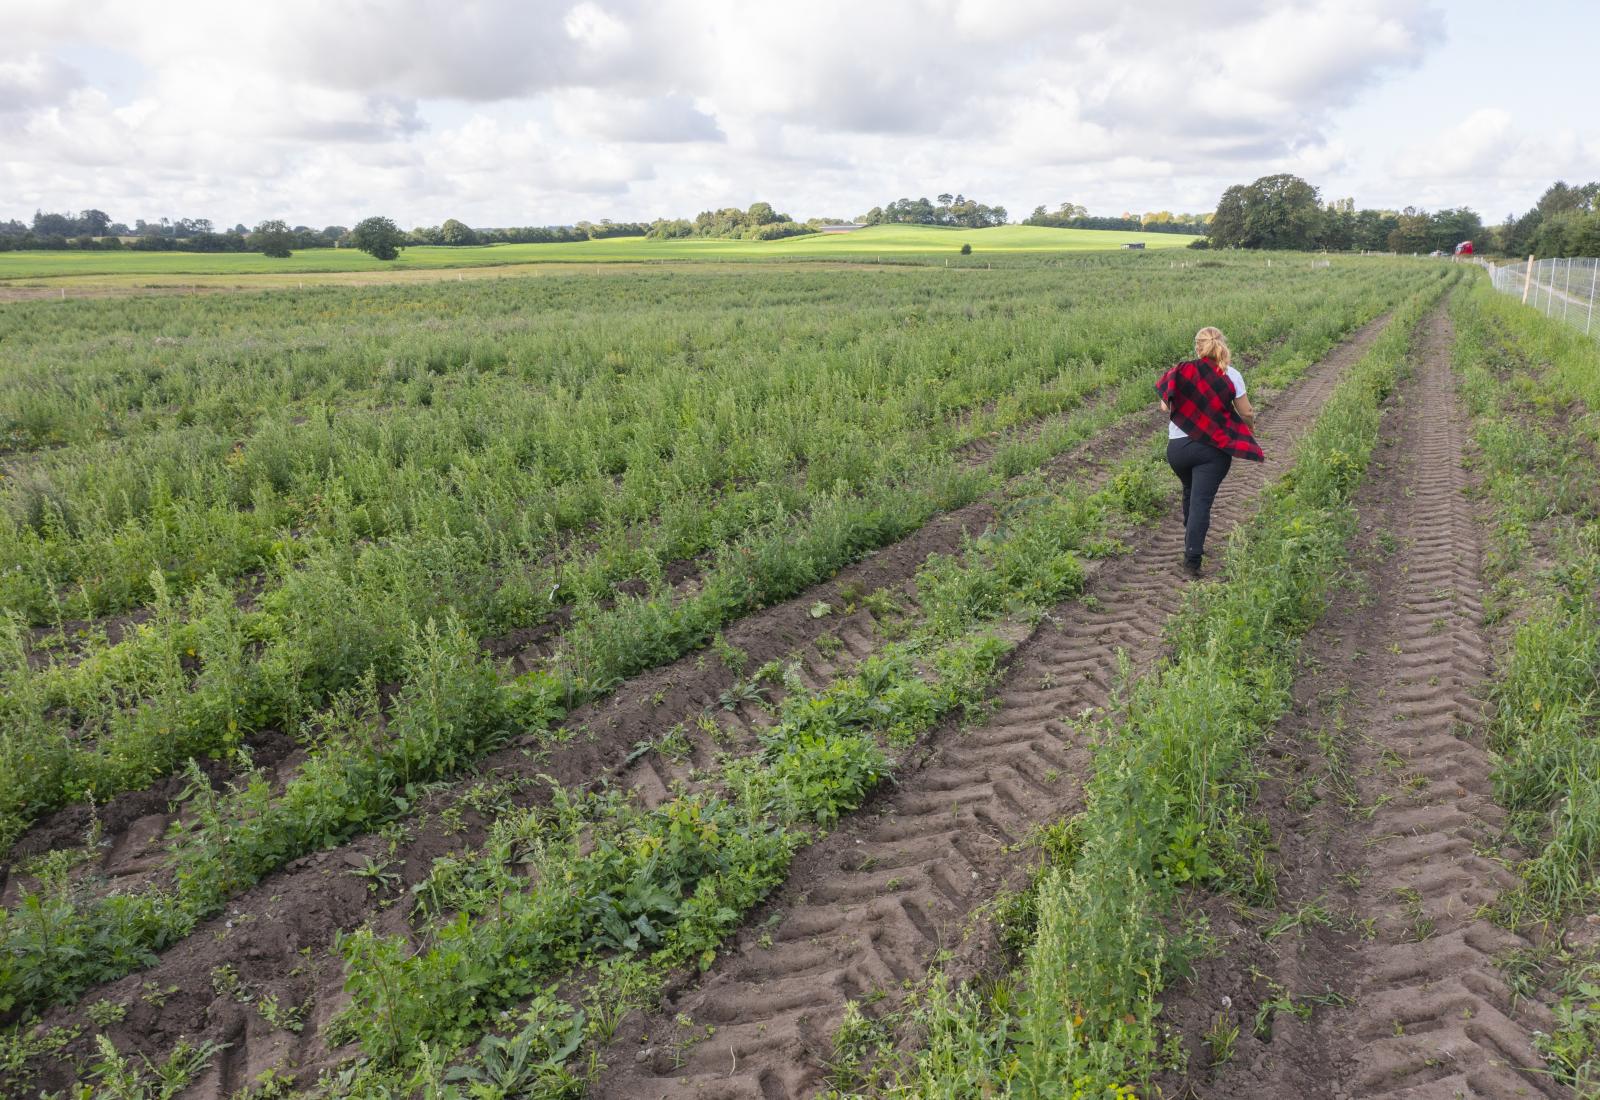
(1175, 432)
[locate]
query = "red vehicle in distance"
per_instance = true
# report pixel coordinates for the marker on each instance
(1464, 248)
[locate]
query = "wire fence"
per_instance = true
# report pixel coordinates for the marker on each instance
(1566, 288)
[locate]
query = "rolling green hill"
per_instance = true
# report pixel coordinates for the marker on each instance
(898, 240)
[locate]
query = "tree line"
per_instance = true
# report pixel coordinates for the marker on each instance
(94, 230)
(1284, 211)
(1279, 211)
(1564, 222)
(1071, 215)
(951, 210)
(458, 233)
(759, 223)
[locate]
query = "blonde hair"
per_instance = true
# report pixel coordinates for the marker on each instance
(1209, 343)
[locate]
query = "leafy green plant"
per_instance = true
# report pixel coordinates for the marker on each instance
(117, 1077)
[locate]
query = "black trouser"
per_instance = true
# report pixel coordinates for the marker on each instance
(1201, 467)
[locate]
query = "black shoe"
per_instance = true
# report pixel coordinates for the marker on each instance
(1191, 566)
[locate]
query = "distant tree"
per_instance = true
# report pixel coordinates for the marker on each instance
(1228, 223)
(1058, 216)
(957, 210)
(667, 229)
(379, 237)
(1338, 229)
(271, 238)
(1280, 211)
(453, 232)
(1559, 198)
(1448, 228)
(93, 223)
(53, 225)
(966, 250)
(1411, 233)
(1372, 229)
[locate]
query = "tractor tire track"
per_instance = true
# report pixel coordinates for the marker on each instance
(867, 909)
(1434, 1016)
(1400, 669)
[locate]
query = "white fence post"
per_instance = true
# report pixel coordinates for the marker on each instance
(1594, 276)
(1527, 279)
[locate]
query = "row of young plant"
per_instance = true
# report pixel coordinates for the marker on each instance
(552, 423)
(1167, 806)
(220, 831)
(205, 673)
(366, 760)
(415, 1009)
(599, 881)
(91, 371)
(489, 940)
(1534, 391)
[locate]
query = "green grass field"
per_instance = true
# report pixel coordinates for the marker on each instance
(898, 240)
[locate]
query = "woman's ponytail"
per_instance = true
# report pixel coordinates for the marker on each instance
(1209, 343)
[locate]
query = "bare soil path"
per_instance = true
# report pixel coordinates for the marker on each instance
(868, 908)
(1398, 850)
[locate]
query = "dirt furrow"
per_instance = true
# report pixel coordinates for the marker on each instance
(275, 935)
(1402, 857)
(867, 909)
(1434, 1015)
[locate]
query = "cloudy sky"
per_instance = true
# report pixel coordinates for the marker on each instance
(531, 112)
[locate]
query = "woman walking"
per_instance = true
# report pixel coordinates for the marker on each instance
(1211, 421)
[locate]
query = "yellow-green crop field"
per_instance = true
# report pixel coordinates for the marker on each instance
(863, 245)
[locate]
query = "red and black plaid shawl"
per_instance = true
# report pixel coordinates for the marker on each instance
(1199, 395)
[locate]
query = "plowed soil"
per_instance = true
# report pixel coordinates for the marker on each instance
(864, 909)
(868, 908)
(1397, 851)
(276, 936)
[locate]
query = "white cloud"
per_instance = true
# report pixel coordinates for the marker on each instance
(34, 80)
(668, 119)
(1479, 143)
(519, 111)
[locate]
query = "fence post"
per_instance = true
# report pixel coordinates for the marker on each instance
(1567, 294)
(1594, 278)
(1527, 280)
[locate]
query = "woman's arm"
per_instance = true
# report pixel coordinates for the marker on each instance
(1246, 411)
